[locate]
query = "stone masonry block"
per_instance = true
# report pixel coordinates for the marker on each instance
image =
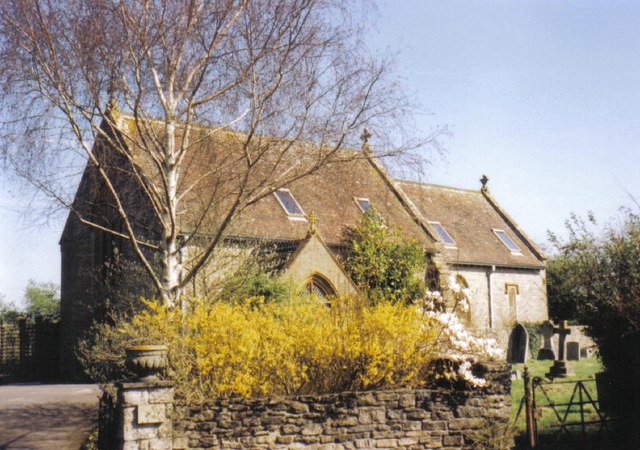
(180, 443)
(141, 432)
(135, 397)
(434, 425)
(161, 395)
(407, 441)
(407, 401)
(387, 443)
(312, 429)
(431, 441)
(149, 414)
(465, 424)
(412, 426)
(453, 441)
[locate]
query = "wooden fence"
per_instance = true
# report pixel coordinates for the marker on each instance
(29, 350)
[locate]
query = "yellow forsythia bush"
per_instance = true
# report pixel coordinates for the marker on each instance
(299, 346)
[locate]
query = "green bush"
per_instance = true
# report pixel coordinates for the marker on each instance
(595, 279)
(384, 264)
(243, 285)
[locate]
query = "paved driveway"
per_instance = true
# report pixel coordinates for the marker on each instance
(47, 417)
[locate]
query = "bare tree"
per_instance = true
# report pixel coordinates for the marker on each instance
(218, 103)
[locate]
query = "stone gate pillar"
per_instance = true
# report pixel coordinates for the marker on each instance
(145, 410)
(145, 405)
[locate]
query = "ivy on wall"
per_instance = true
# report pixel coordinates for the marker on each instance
(535, 337)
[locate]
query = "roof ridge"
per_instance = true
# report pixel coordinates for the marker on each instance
(402, 197)
(212, 129)
(435, 185)
(533, 247)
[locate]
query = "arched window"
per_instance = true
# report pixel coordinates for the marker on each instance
(320, 287)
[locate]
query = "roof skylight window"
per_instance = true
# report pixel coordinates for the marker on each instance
(506, 240)
(289, 203)
(442, 233)
(363, 204)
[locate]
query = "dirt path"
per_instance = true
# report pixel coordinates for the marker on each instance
(47, 417)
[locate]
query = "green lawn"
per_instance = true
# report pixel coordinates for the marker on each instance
(559, 393)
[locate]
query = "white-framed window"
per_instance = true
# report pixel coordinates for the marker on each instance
(363, 203)
(289, 204)
(444, 236)
(507, 241)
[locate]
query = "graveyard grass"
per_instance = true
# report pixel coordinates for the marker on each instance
(559, 391)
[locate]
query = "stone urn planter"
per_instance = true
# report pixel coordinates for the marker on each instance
(146, 361)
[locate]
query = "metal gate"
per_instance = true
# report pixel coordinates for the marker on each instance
(578, 421)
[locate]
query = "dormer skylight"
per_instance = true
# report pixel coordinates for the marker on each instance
(443, 235)
(289, 203)
(363, 204)
(506, 240)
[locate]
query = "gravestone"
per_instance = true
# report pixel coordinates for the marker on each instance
(518, 345)
(573, 351)
(546, 354)
(546, 331)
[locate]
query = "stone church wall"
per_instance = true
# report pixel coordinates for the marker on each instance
(498, 318)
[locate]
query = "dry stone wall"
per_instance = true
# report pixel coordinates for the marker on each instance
(407, 419)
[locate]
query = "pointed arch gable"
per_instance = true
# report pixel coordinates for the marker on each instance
(314, 258)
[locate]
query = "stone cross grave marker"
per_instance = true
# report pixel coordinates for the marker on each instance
(562, 331)
(560, 368)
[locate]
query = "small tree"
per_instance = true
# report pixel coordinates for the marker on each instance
(8, 311)
(42, 299)
(595, 279)
(383, 263)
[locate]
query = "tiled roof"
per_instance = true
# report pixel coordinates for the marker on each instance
(470, 218)
(216, 161)
(215, 173)
(330, 194)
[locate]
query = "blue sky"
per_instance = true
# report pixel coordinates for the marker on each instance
(542, 96)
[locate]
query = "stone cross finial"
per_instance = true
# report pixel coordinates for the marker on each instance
(365, 136)
(313, 222)
(484, 180)
(365, 140)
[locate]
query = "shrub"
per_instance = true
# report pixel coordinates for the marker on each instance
(383, 264)
(493, 435)
(292, 347)
(596, 279)
(255, 283)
